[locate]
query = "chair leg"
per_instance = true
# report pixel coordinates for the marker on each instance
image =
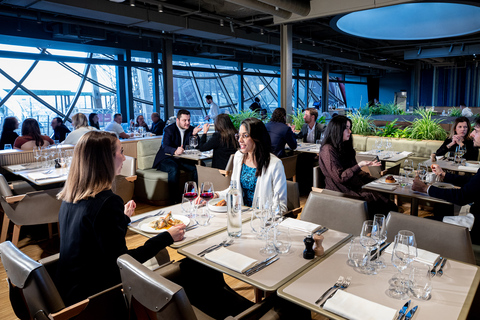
(258, 295)
(58, 228)
(6, 224)
(50, 230)
(16, 234)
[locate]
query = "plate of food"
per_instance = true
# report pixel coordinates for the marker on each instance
(218, 205)
(443, 185)
(388, 180)
(163, 223)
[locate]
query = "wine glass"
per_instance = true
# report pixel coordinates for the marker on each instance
(422, 171)
(403, 253)
(378, 145)
(408, 167)
(193, 142)
(37, 153)
(379, 234)
(190, 192)
(369, 242)
(206, 194)
(388, 145)
(257, 219)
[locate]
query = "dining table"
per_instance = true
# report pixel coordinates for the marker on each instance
(195, 155)
(388, 156)
(38, 176)
(308, 147)
(394, 188)
(451, 296)
(470, 167)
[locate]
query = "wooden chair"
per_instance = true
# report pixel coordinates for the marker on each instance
(290, 167)
(33, 294)
(336, 212)
(229, 166)
(220, 181)
(448, 240)
(293, 199)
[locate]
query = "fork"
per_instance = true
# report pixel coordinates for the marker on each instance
(150, 216)
(210, 249)
(335, 286)
(344, 285)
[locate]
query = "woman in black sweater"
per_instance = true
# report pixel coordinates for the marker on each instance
(93, 221)
(459, 136)
(222, 141)
(8, 134)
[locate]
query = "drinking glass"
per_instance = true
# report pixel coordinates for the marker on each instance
(190, 192)
(282, 240)
(419, 281)
(357, 255)
(403, 253)
(193, 142)
(403, 180)
(422, 171)
(37, 153)
(7, 146)
(369, 242)
(378, 145)
(318, 144)
(206, 194)
(408, 167)
(388, 145)
(256, 221)
(270, 230)
(380, 234)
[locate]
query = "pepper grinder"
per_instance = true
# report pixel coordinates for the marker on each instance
(318, 247)
(308, 253)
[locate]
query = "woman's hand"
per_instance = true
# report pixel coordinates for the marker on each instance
(438, 171)
(177, 232)
(374, 163)
(418, 185)
(457, 139)
(206, 126)
(130, 208)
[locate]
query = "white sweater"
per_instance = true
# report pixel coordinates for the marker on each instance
(271, 182)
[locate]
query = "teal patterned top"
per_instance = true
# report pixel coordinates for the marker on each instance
(248, 181)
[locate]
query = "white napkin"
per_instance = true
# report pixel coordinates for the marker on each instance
(17, 167)
(463, 221)
(423, 256)
(406, 153)
(352, 307)
(383, 186)
(300, 225)
(367, 152)
(468, 168)
(232, 260)
(42, 176)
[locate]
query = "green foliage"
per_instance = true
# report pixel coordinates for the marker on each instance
(455, 112)
(297, 119)
(425, 128)
(322, 119)
(237, 118)
(388, 108)
(389, 130)
(361, 124)
(422, 111)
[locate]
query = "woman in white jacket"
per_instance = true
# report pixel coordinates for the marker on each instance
(258, 172)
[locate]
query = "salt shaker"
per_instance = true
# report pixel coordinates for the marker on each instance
(308, 253)
(318, 247)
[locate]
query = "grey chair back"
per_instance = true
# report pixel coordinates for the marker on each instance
(335, 212)
(448, 240)
(150, 294)
(32, 292)
(4, 187)
(290, 167)
(220, 182)
(318, 178)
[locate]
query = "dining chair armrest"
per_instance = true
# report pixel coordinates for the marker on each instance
(131, 178)
(69, 312)
(13, 199)
(224, 172)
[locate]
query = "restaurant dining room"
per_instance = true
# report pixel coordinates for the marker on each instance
(239, 159)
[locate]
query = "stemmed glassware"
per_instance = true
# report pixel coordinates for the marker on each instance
(422, 171)
(459, 153)
(380, 234)
(408, 167)
(368, 240)
(403, 253)
(257, 222)
(191, 193)
(206, 194)
(388, 146)
(37, 154)
(193, 142)
(378, 144)
(269, 223)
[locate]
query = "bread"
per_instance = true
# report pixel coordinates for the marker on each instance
(221, 203)
(390, 179)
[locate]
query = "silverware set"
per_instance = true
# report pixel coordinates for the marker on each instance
(341, 283)
(193, 226)
(440, 261)
(261, 265)
(159, 213)
(224, 243)
(403, 311)
(321, 230)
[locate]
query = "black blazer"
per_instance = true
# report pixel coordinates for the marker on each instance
(281, 134)
(93, 237)
(157, 128)
(221, 153)
(319, 128)
(8, 137)
(470, 189)
(171, 141)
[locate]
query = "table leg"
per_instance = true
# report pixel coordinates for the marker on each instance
(414, 207)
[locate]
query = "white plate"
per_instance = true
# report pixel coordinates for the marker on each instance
(212, 206)
(443, 185)
(382, 180)
(144, 225)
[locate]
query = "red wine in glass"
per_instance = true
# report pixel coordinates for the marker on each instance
(206, 195)
(190, 196)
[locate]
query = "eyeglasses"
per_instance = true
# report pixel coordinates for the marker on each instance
(243, 136)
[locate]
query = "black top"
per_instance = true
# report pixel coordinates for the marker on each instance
(281, 134)
(157, 128)
(221, 153)
(93, 237)
(171, 141)
(8, 137)
(472, 152)
(319, 129)
(60, 132)
(255, 106)
(470, 187)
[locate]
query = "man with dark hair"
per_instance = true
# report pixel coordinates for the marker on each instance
(158, 124)
(311, 131)
(59, 129)
(175, 137)
(470, 188)
(255, 106)
(116, 127)
(280, 133)
(214, 109)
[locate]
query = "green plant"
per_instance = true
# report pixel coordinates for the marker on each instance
(388, 108)
(361, 124)
(425, 128)
(237, 118)
(297, 119)
(389, 130)
(455, 112)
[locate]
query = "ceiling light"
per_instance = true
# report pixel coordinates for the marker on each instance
(132, 3)
(301, 40)
(262, 32)
(160, 8)
(221, 22)
(313, 43)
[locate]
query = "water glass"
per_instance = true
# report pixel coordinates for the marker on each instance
(282, 240)
(368, 240)
(203, 217)
(186, 205)
(357, 254)
(7, 146)
(403, 180)
(419, 281)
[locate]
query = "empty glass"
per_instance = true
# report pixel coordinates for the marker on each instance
(357, 254)
(282, 240)
(368, 240)
(404, 251)
(419, 281)
(379, 233)
(422, 171)
(7, 146)
(408, 168)
(193, 142)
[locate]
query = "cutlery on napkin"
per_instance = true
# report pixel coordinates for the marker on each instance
(423, 256)
(232, 260)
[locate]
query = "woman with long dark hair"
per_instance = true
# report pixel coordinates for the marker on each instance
(31, 132)
(258, 172)
(10, 124)
(93, 119)
(93, 220)
(222, 141)
(341, 170)
(459, 136)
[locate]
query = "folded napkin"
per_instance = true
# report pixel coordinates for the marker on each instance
(368, 152)
(463, 221)
(469, 168)
(406, 153)
(383, 186)
(232, 260)
(423, 256)
(352, 307)
(300, 225)
(42, 176)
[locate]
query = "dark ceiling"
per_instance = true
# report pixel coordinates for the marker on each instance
(222, 29)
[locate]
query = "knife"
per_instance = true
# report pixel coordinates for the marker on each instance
(433, 272)
(374, 257)
(321, 230)
(403, 310)
(440, 271)
(411, 313)
(260, 264)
